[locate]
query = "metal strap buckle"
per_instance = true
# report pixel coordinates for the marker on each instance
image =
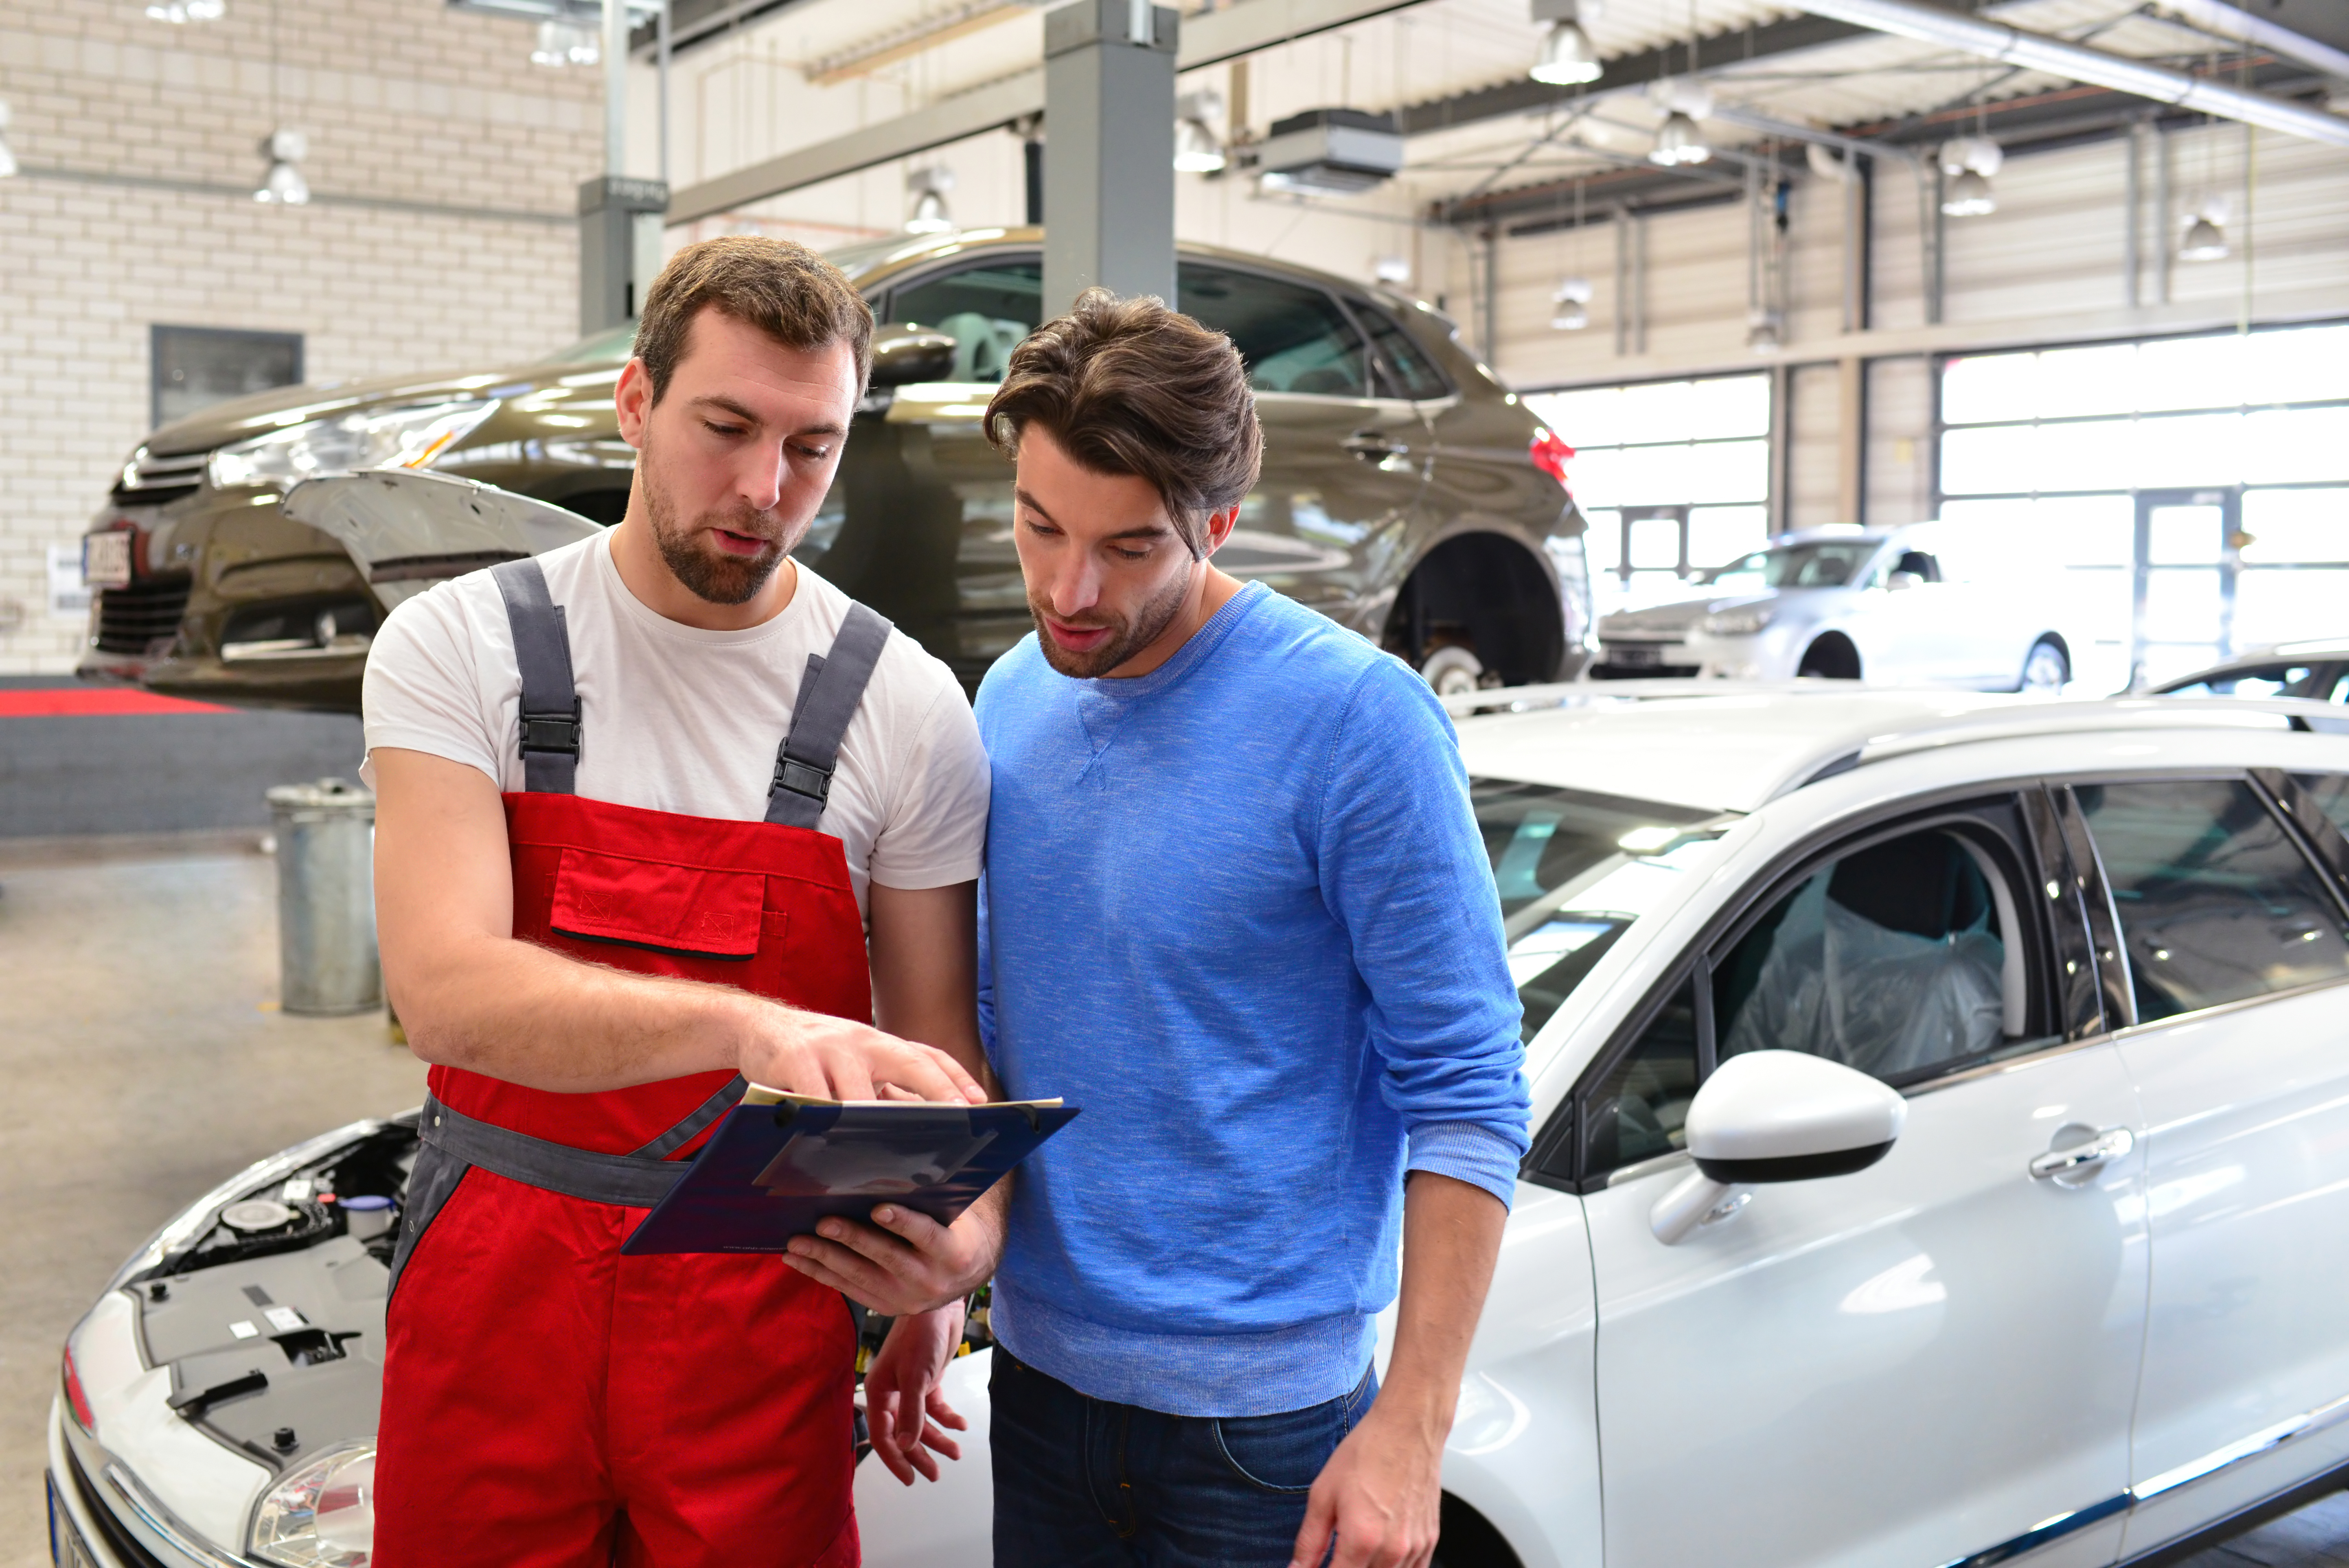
(555, 732)
(803, 778)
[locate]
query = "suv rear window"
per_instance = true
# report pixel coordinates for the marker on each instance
(1404, 368)
(1293, 338)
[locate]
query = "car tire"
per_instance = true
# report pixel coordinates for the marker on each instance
(1832, 657)
(1451, 670)
(2045, 668)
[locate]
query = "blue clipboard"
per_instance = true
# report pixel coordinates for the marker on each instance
(774, 1168)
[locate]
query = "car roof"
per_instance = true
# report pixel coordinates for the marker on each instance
(1725, 747)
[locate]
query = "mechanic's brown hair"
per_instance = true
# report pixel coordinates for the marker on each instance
(784, 290)
(1128, 386)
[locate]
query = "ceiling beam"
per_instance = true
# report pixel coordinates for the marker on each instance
(2059, 58)
(1206, 39)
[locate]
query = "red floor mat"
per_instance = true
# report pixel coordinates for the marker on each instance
(74, 702)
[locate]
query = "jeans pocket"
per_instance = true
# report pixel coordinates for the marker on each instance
(1285, 1452)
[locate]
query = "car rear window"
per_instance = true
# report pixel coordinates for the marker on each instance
(1293, 337)
(1404, 368)
(1574, 871)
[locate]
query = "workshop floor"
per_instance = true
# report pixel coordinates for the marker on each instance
(145, 1059)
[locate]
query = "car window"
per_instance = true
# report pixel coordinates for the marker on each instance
(2266, 680)
(1404, 368)
(1826, 565)
(1918, 564)
(987, 309)
(1891, 959)
(2331, 793)
(1573, 871)
(2216, 903)
(1639, 1109)
(1293, 337)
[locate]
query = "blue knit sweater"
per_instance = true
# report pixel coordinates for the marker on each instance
(1238, 910)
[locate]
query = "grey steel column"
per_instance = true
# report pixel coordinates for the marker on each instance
(619, 248)
(1109, 179)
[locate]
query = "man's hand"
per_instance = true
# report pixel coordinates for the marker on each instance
(837, 1058)
(903, 1407)
(905, 1262)
(1379, 1494)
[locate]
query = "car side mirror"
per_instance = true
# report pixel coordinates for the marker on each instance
(1776, 1115)
(1898, 581)
(904, 353)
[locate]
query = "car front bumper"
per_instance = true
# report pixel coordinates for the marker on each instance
(101, 1518)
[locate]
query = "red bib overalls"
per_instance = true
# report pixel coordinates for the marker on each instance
(547, 1402)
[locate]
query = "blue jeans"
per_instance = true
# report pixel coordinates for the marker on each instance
(1086, 1484)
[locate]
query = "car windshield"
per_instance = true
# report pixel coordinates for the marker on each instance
(608, 347)
(1824, 563)
(1574, 870)
(2259, 680)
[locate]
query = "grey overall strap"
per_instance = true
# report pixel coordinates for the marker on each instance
(550, 701)
(685, 1131)
(828, 698)
(630, 1180)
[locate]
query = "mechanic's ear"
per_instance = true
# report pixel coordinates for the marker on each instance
(632, 399)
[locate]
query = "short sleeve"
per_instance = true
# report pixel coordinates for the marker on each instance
(422, 689)
(936, 831)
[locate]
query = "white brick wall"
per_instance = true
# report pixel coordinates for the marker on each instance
(139, 141)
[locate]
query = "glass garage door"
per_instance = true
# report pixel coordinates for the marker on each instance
(2183, 499)
(1673, 476)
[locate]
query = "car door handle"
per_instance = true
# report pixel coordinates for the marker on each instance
(1374, 444)
(2066, 1167)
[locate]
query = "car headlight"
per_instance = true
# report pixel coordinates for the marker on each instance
(1740, 623)
(402, 439)
(321, 1515)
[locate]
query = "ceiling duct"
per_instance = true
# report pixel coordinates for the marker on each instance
(1330, 152)
(2079, 62)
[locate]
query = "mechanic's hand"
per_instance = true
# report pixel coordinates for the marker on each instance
(838, 1058)
(1379, 1495)
(904, 1262)
(903, 1407)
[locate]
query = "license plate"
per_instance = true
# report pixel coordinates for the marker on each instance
(106, 559)
(1646, 657)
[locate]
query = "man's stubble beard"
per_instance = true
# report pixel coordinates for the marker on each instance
(694, 561)
(1127, 637)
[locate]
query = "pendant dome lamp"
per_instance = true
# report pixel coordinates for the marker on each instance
(1679, 141)
(2205, 241)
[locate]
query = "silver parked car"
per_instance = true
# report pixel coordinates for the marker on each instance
(1846, 605)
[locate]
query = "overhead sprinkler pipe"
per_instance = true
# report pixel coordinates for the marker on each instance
(2079, 62)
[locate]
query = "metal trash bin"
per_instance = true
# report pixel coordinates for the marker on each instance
(325, 898)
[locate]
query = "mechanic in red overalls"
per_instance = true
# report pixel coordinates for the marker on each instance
(640, 802)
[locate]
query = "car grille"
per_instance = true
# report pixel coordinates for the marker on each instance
(151, 478)
(118, 1539)
(132, 620)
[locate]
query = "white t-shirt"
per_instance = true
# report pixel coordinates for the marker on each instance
(675, 718)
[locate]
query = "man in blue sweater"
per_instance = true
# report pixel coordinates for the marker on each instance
(1237, 907)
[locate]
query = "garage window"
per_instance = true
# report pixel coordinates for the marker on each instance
(1674, 475)
(2193, 491)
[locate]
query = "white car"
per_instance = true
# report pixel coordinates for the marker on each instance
(1845, 604)
(1941, 1161)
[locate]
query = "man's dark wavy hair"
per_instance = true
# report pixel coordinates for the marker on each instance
(1129, 387)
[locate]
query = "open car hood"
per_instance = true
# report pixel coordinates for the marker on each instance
(407, 529)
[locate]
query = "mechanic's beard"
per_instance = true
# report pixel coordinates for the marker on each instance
(1127, 636)
(695, 560)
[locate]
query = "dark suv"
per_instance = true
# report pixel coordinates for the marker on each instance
(1406, 493)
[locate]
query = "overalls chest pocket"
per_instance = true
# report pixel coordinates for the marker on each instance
(686, 911)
